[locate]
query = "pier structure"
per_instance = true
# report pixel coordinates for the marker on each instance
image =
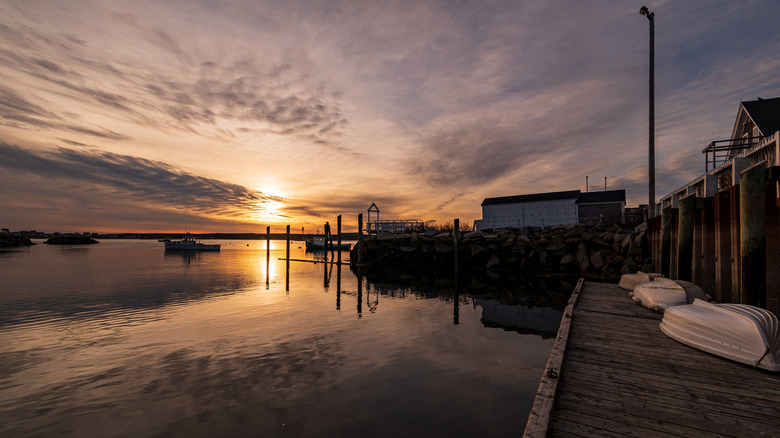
(612, 372)
(722, 230)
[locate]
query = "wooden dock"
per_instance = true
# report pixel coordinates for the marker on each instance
(612, 372)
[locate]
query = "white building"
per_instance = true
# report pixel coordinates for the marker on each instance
(548, 209)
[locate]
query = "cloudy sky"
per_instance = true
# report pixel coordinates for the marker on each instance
(232, 115)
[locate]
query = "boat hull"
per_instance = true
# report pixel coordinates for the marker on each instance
(190, 246)
(739, 332)
(319, 246)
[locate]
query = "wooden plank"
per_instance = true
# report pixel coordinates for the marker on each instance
(538, 422)
(621, 376)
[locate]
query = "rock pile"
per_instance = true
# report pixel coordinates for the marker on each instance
(590, 250)
(74, 239)
(9, 241)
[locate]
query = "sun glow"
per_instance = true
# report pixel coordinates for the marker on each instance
(268, 209)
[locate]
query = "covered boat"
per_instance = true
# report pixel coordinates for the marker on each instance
(740, 332)
(659, 294)
(189, 243)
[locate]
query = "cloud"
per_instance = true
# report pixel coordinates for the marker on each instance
(141, 180)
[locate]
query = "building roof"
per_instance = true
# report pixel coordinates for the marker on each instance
(602, 197)
(534, 197)
(765, 113)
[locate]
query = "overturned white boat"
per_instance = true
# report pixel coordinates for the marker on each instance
(740, 332)
(659, 294)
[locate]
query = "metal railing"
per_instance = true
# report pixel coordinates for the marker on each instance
(719, 152)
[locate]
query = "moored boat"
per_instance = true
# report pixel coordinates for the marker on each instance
(191, 244)
(659, 294)
(318, 243)
(740, 332)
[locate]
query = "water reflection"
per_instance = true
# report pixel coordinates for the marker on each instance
(124, 341)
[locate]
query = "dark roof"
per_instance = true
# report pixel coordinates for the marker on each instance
(534, 197)
(765, 113)
(605, 196)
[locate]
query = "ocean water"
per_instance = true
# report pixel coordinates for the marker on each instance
(124, 339)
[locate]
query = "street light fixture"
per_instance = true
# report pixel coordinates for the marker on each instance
(651, 138)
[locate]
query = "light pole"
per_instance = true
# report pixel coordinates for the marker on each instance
(651, 138)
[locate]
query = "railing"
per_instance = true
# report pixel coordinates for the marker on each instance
(719, 152)
(394, 226)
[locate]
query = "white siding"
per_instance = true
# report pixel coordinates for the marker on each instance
(525, 214)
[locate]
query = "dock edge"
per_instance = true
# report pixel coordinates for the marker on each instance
(541, 412)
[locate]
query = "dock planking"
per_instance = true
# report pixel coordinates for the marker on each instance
(612, 372)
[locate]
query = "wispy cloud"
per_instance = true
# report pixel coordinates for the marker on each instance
(143, 181)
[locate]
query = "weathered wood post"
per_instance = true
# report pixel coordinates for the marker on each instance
(456, 238)
(752, 230)
(267, 255)
(666, 240)
(723, 247)
(705, 276)
(338, 287)
(287, 270)
(773, 240)
(736, 263)
(684, 263)
(360, 244)
(338, 230)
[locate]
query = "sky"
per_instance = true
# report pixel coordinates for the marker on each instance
(234, 115)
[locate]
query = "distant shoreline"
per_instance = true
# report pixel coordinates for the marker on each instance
(210, 236)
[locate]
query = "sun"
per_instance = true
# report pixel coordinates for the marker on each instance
(268, 209)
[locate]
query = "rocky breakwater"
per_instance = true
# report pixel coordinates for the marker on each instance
(594, 251)
(71, 240)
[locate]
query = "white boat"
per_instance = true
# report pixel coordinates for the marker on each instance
(189, 243)
(659, 294)
(743, 333)
(318, 243)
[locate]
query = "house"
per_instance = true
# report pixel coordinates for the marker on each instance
(554, 208)
(755, 138)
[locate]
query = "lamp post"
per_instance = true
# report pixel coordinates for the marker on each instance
(651, 139)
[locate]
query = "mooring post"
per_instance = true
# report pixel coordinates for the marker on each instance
(752, 227)
(687, 210)
(338, 230)
(666, 240)
(456, 238)
(267, 254)
(360, 239)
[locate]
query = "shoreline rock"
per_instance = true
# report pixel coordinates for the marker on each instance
(10, 241)
(595, 251)
(71, 240)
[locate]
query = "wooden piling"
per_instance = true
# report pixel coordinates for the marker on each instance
(360, 244)
(735, 246)
(773, 240)
(456, 238)
(287, 277)
(752, 223)
(723, 247)
(685, 219)
(338, 231)
(704, 274)
(666, 240)
(267, 255)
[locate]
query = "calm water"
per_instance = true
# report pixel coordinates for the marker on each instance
(124, 339)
